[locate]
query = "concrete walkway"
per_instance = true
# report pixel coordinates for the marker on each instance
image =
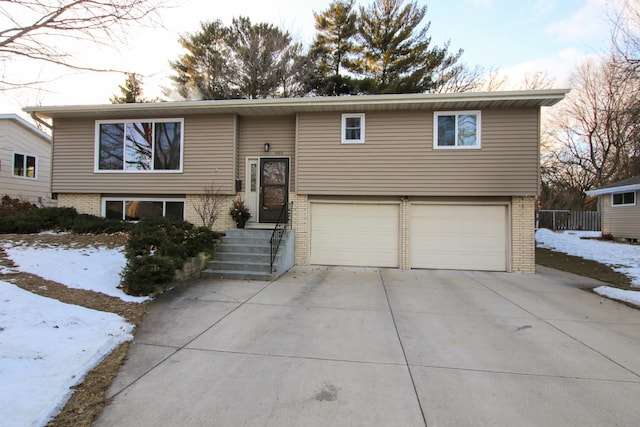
(332, 346)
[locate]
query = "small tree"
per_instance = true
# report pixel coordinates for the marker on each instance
(131, 92)
(209, 205)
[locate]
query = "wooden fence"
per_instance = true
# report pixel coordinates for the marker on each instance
(568, 220)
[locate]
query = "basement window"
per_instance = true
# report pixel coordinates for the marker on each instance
(130, 209)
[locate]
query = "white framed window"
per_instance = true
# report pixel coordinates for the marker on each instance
(150, 145)
(456, 129)
(353, 128)
(25, 166)
(135, 208)
(623, 199)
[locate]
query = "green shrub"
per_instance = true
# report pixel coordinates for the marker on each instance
(90, 224)
(146, 274)
(156, 246)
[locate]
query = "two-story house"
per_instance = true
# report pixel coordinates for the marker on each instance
(410, 181)
(25, 161)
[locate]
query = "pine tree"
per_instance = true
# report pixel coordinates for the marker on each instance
(396, 52)
(243, 60)
(334, 51)
(131, 92)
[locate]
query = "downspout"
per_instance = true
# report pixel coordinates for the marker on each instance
(35, 117)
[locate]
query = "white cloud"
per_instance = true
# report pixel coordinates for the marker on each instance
(585, 23)
(559, 67)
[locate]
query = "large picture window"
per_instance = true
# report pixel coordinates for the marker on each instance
(623, 199)
(458, 129)
(130, 209)
(139, 146)
(24, 165)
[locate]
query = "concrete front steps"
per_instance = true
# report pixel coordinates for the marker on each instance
(245, 254)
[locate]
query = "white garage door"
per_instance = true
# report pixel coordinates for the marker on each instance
(460, 237)
(357, 234)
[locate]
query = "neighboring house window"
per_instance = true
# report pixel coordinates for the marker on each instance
(457, 129)
(623, 199)
(139, 146)
(24, 165)
(131, 209)
(353, 128)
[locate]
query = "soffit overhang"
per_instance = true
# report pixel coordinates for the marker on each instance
(288, 106)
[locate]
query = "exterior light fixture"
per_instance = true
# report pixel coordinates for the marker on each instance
(267, 146)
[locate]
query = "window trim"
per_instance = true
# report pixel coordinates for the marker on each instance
(619, 205)
(96, 163)
(24, 165)
(104, 200)
(343, 128)
(437, 114)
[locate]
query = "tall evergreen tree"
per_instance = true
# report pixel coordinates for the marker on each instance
(397, 53)
(243, 60)
(203, 72)
(334, 50)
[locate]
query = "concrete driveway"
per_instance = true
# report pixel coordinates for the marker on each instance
(332, 346)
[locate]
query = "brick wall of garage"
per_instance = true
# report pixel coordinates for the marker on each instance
(523, 235)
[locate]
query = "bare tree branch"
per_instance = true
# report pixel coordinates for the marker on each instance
(36, 29)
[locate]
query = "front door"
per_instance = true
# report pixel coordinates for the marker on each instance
(274, 188)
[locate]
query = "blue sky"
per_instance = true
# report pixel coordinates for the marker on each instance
(515, 36)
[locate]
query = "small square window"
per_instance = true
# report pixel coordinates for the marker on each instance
(458, 129)
(352, 129)
(24, 165)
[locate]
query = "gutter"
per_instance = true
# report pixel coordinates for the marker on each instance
(34, 116)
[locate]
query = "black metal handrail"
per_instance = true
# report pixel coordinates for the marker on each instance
(278, 232)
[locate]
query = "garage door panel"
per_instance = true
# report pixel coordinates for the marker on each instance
(462, 237)
(355, 234)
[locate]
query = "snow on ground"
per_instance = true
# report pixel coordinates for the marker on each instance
(621, 257)
(46, 347)
(632, 297)
(95, 269)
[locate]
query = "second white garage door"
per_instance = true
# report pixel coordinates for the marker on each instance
(355, 234)
(461, 237)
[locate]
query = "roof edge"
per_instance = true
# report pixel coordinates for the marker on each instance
(28, 126)
(547, 97)
(609, 190)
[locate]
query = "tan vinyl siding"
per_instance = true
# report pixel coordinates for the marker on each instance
(398, 157)
(14, 138)
(209, 143)
(623, 222)
(278, 131)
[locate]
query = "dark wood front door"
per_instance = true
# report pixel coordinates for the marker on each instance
(274, 188)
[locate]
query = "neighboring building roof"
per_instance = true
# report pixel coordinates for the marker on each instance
(629, 184)
(280, 106)
(25, 124)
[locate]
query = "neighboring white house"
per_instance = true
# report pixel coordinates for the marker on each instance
(25, 161)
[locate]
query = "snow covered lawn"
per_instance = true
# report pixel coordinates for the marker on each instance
(47, 346)
(95, 269)
(621, 257)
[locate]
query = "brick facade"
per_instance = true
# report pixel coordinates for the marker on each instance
(523, 235)
(300, 223)
(84, 203)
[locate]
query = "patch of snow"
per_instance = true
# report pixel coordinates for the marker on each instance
(632, 297)
(95, 269)
(621, 257)
(52, 233)
(46, 348)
